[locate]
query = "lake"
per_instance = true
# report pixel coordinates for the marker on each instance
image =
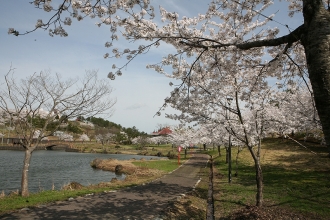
(50, 167)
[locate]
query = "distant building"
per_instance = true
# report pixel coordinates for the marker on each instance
(162, 132)
(86, 123)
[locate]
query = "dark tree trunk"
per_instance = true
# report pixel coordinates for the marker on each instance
(259, 180)
(229, 160)
(316, 42)
(236, 163)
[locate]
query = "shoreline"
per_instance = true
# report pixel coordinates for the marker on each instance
(147, 152)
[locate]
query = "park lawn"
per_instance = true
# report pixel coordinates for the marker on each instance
(164, 165)
(295, 179)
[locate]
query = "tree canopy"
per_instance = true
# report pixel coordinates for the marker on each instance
(229, 38)
(103, 122)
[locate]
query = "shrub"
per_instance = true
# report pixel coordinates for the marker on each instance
(171, 155)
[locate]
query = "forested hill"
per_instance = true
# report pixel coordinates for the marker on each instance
(100, 122)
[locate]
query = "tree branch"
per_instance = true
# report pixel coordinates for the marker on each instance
(289, 39)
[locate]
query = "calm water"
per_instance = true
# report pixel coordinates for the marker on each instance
(54, 167)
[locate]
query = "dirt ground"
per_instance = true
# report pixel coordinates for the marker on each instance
(269, 213)
(147, 201)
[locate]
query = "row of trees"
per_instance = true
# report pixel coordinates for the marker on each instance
(237, 39)
(225, 58)
(245, 117)
(106, 131)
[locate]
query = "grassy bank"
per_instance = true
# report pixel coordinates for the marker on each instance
(296, 185)
(295, 181)
(150, 150)
(164, 165)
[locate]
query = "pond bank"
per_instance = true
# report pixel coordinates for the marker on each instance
(146, 201)
(56, 168)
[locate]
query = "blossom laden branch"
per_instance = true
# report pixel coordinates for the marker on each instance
(294, 36)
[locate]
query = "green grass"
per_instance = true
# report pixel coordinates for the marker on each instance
(306, 191)
(294, 178)
(14, 202)
(94, 147)
(164, 165)
(168, 146)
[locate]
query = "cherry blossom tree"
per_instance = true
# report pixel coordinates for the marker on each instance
(240, 29)
(297, 108)
(160, 140)
(84, 137)
(65, 137)
(218, 135)
(104, 137)
(143, 141)
(182, 136)
(239, 106)
(38, 101)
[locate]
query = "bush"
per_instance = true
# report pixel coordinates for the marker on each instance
(73, 186)
(141, 148)
(171, 155)
(96, 162)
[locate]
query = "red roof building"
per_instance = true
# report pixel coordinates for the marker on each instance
(162, 132)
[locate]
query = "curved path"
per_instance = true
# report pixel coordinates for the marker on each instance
(140, 202)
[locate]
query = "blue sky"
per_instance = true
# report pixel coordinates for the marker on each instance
(140, 92)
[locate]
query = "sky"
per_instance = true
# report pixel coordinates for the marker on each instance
(140, 92)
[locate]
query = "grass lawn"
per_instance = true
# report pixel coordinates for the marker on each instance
(294, 179)
(164, 165)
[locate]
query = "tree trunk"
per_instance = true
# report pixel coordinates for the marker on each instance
(219, 151)
(25, 180)
(238, 151)
(229, 160)
(259, 180)
(259, 177)
(316, 42)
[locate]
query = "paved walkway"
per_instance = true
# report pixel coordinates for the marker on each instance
(140, 202)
